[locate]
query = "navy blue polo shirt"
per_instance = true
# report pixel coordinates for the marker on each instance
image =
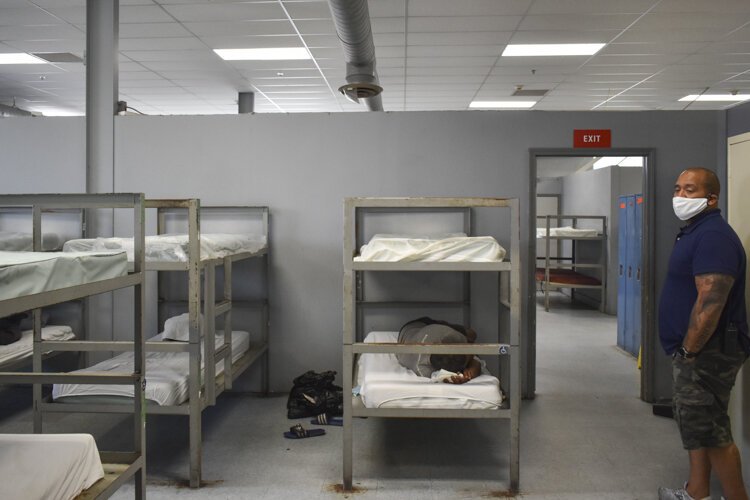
(707, 245)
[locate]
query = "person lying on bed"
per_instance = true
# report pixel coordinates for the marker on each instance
(430, 331)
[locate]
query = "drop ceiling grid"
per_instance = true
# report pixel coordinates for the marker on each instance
(430, 52)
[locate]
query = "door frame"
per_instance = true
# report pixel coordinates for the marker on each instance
(648, 315)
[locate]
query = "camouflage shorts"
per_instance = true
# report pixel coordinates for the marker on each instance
(701, 396)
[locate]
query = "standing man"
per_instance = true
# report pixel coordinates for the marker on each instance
(703, 325)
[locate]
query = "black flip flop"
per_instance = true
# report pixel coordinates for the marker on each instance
(325, 419)
(298, 432)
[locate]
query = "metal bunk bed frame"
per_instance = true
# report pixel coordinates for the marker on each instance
(200, 394)
(118, 466)
(548, 284)
(352, 346)
(81, 332)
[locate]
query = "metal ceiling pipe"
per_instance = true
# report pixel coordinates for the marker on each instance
(352, 20)
(246, 102)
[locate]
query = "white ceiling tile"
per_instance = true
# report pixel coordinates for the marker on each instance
(673, 35)
(472, 38)
(453, 51)
(468, 7)
(387, 8)
(590, 6)
(702, 6)
(15, 16)
(579, 22)
(42, 32)
(646, 48)
(233, 42)
(388, 25)
(227, 12)
(308, 10)
(176, 43)
(452, 62)
(564, 36)
(388, 39)
(171, 55)
(240, 28)
(316, 26)
(663, 21)
(152, 30)
(463, 24)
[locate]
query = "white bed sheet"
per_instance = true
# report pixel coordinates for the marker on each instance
(23, 348)
(452, 248)
(385, 383)
(174, 247)
(566, 232)
(12, 241)
(166, 374)
(47, 466)
(28, 273)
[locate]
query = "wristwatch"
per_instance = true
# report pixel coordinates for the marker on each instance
(684, 353)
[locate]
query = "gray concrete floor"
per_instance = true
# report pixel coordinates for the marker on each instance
(585, 436)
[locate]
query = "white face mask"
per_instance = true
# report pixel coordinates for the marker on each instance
(687, 208)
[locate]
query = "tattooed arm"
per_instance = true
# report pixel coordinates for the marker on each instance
(713, 290)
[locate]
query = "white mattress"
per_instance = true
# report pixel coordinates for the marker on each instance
(28, 273)
(166, 374)
(566, 232)
(174, 247)
(24, 347)
(22, 242)
(385, 383)
(453, 248)
(48, 466)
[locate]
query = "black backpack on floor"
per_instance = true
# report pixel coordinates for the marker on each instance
(315, 393)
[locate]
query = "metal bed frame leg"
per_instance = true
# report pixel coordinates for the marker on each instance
(37, 367)
(195, 445)
(348, 447)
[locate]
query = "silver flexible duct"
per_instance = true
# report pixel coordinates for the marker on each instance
(352, 20)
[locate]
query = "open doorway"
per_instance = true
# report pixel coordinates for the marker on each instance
(588, 247)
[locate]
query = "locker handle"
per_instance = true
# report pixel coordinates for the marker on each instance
(620, 269)
(630, 272)
(638, 274)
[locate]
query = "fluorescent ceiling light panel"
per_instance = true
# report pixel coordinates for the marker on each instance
(618, 161)
(20, 58)
(716, 97)
(502, 104)
(552, 49)
(272, 54)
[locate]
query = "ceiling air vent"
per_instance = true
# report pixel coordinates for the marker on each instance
(356, 91)
(58, 57)
(530, 93)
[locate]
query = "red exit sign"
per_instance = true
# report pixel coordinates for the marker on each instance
(592, 138)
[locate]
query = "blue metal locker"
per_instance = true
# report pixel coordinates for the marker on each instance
(630, 274)
(636, 256)
(622, 270)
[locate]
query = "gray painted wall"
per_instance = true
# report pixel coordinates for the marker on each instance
(303, 165)
(738, 120)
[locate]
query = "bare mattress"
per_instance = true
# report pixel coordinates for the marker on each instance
(24, 347)
(385, 383)
(167, 375)
(29, 273)
(174, 247)
(48, 466)
(448, 248)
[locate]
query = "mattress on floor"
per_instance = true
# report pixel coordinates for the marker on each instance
(385, 383)
(567, 277)
(166, 375)
(12, 241)
(450, 248)
(48, 466)
(174, 247)
(566, 232)
(23, 348)
(28, 273)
